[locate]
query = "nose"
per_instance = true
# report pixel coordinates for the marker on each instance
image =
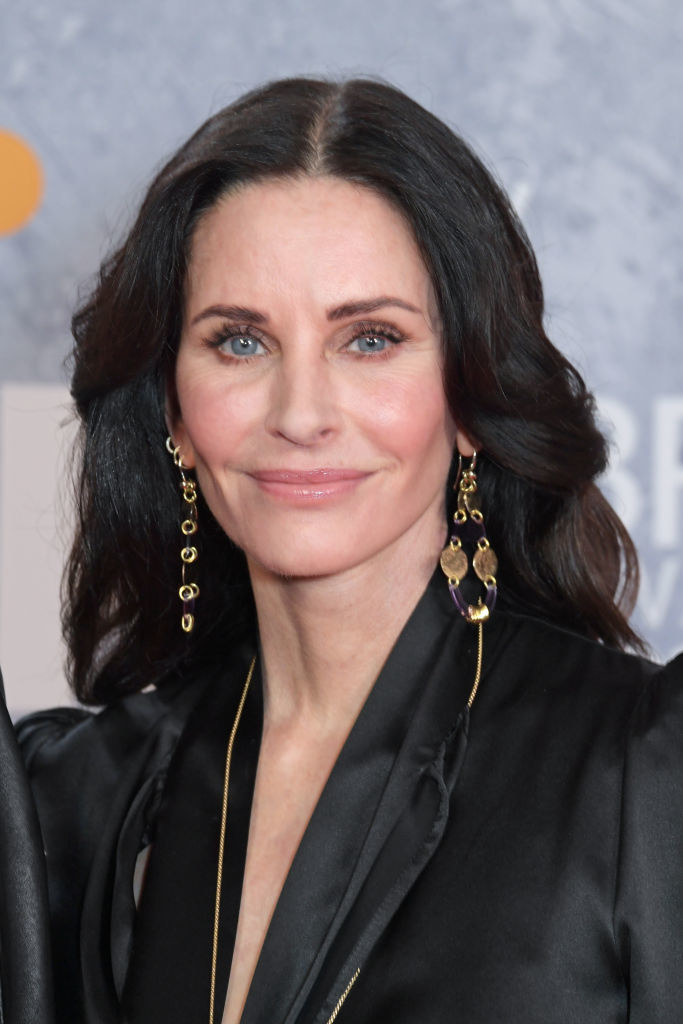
(304, 406)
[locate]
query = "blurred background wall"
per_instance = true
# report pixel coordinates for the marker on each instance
(575, 103)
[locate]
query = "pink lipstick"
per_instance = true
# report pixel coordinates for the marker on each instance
(308, 486)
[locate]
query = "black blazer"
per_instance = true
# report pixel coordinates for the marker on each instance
(521, 863)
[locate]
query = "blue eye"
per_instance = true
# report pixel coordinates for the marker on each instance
(370, 343)
(242, 345)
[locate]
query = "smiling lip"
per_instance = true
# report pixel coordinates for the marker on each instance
(312, 485)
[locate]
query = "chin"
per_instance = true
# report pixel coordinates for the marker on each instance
(310, 561)
(305, 568)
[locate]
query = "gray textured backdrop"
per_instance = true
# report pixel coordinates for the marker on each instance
(575, 103)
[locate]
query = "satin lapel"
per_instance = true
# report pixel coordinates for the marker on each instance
(130, 842)
(170, 968)
(406, 853)
(397, 803)
(98, 965)
(107, 916)
(410, 822)
(406, 833)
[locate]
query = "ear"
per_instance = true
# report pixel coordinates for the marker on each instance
(176, 429)
(465, 445)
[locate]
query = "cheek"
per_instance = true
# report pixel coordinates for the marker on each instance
(412, 418)
(214, 419)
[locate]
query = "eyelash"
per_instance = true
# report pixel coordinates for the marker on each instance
(376, 330)
(229, 331)
(361, 330)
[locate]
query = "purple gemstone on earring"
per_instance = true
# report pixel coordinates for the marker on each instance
(459, 600)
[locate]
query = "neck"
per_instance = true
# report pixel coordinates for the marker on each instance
(324, 639)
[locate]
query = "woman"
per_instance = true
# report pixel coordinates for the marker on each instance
(338, 782)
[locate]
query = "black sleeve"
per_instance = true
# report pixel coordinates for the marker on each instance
(45, 726)
(25, 964)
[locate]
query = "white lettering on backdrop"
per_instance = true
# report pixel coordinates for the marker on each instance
(645, 484)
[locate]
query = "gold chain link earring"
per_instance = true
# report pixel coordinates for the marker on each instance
(188, 591)
(468, 526)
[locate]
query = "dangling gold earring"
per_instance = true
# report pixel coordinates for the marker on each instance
(468, 523)
(188, 591)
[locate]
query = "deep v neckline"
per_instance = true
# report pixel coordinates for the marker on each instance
(169, 974)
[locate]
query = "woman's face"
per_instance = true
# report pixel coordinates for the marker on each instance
(308, 380)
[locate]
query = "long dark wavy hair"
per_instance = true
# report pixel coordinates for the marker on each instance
(564, 554)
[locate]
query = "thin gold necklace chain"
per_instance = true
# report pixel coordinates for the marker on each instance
(224, 819)
(342, 999)
(221, 841)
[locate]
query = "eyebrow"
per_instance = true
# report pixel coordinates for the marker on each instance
(231, 313)
(368, 306)
(347, 309)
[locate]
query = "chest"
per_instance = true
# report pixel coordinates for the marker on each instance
(288, 785)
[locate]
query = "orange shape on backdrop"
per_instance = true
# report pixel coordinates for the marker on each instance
(21, 182)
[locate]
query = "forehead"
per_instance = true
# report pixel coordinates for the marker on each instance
(330, 238)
